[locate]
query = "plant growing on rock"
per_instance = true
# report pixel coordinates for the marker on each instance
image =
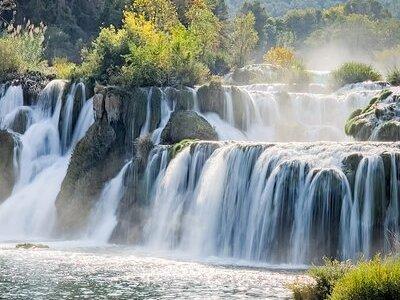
(354, 72)
(393, 76)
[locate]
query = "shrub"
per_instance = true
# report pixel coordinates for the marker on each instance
(393, 76)
(354, 72)
(280, 56)
(21, 49)
(325, 278)
(376, 279)
(10, 62)
(63, 68)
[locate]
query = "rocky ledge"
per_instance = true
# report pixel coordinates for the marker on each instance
(379, 121)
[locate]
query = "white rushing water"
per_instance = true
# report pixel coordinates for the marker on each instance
(29, 213)
(265, 112)
(104, 216)
(283, 203)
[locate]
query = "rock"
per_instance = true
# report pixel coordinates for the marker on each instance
(252, 74)
(183, 98)
(379, 120)
(113, 107)
(98, 106)
(28, 246)
(389, 131)
(187, 125)
(211, 98)
(95, 160)
(21, 120)
(32, 84)
(155, 105)
(8, 143)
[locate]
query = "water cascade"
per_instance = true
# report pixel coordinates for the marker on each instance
(29, 212)
(275, 203)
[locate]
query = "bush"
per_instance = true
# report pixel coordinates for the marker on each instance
(325, 278)
(280, 56)
(354, 72)
(63, 68)
(393, 76)
(21, 49)
(10, 62)
(376, 279)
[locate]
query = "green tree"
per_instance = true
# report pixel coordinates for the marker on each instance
(261, 17)
(244, 39)
(372, 8)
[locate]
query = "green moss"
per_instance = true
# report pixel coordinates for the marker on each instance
(179, 147)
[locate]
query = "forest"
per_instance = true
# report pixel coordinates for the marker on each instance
(165, 42)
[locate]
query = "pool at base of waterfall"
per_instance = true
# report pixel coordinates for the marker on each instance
(66, 271)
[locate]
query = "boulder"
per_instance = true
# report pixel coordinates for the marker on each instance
(211, 98)
(379, 120)
(21, 120)
(94, 161)
(7, 172)
(187, 125)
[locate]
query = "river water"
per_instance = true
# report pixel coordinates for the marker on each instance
(66, 271)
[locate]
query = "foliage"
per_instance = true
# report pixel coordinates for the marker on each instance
(21, 49)
(372, 8)
(393, 76)
(354, 72)
(243, 39)
(63, 68)
(280, 56)
(154, 48)
(290, 69)
(376, 279)
(71, 23)
(260, 17)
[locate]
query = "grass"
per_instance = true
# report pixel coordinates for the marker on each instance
(393, 76)
(366, 280)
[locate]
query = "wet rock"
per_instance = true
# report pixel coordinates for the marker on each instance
(94, 161)
(379, 120)
(187, 125)
(21, 120)
(30, 246)
(211, 98)
(32, 84)
(7, 173)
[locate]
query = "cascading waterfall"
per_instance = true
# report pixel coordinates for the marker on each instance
(104, 216)
(29, 212)
(282, 203)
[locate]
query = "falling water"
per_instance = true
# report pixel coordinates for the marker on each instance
(104, 216)
(29, 212)
(276, 203)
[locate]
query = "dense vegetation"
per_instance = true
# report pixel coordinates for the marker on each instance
(173, 42)
(376, 279)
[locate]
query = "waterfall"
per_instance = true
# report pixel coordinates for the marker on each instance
(29, 212)
(10, 101)
(275, 203)
(104, 216)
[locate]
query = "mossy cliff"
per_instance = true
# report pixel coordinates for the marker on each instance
(378, 121)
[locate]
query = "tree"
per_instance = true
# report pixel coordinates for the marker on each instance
(162, 13)
(243, 39)
(261, 17)
(205, 26)
(371, 8)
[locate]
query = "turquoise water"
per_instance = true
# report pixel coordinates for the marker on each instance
(124, 273)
